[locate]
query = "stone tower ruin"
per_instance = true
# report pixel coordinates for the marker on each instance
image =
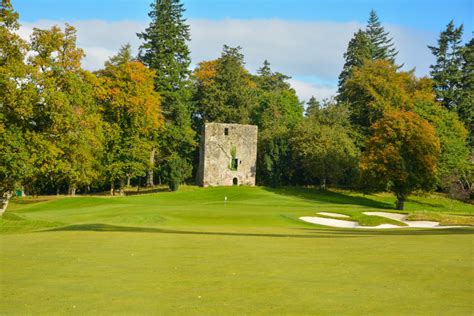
(228, 155)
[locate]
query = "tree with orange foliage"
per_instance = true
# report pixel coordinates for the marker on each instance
(401, 156)
(133, 115)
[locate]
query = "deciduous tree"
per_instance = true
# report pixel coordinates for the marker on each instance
(401, 155)
(132, 110)
(323, 145)
(277, 112)
(17, 99)
(67, 114)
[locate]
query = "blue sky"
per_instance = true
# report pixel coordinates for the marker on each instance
(302, 38)
(422, 14)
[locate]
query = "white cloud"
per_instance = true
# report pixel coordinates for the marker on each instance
(298, 49)
(306, 90)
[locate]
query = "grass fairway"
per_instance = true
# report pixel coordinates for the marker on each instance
(190, 253)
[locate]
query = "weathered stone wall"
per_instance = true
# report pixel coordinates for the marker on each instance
(217, 151)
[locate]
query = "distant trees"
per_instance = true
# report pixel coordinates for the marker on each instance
(454, 154)
(323, 145)
(401, 155)
(453, 74)
(277, 112)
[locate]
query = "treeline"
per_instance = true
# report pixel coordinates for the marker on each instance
(137, 121)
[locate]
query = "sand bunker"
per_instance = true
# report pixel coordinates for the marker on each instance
(333, 215)
(351, 224)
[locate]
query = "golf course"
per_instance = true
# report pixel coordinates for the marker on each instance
(235, 251)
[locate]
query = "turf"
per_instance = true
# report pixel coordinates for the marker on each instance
(191, 253)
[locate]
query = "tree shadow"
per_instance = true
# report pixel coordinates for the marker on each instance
(424, 203)
(147, 191)
(115, 228)
(329, 197)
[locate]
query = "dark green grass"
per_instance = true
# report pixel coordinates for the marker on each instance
(189, 252)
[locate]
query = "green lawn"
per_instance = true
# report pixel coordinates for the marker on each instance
(190, 253)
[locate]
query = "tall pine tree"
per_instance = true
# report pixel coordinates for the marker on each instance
(381, 45)
(165, 49)
(446, 72)
(357, 52)
(373, 43)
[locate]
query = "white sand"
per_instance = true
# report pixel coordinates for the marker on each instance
(330, 222)
(334, 215)
(351, 224)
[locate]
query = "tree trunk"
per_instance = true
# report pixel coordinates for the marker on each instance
(4, 202)
(72, 190)
(149, 180)
(128, 180)
(122, 189)
(400, 203)
(57, 190)
(323, 183)
(112, 188)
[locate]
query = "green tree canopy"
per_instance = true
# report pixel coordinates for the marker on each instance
(322, 144)
(226, 91)
(67, 113)
(277, 112)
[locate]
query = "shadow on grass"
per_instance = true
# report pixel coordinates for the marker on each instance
(147, 191)
(424, 203)
(309, 232)
(329, 197)
(114, 228)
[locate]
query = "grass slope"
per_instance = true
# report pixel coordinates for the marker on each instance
(189, 252)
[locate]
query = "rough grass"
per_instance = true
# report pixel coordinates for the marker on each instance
(190, 253)
(442, 218)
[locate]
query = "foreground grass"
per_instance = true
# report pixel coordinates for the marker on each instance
(191, 253)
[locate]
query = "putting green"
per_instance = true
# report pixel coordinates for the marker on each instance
(191, 253)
